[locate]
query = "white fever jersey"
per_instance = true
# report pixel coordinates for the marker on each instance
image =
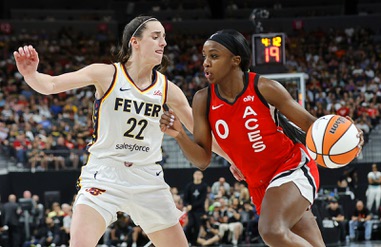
(126, 120)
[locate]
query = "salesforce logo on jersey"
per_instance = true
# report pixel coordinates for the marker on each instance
(132, 147)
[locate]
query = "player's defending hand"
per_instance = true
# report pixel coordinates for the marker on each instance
(26, 60)
(170, 124)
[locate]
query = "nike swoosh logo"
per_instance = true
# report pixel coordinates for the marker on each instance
(158, 173)
(216, 107)
(124, 89)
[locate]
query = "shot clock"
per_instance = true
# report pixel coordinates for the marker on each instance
(268, 49)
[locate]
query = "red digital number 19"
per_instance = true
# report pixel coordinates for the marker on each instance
(272, 52)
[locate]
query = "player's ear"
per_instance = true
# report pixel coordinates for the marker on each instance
(133, 41)
(236, 60)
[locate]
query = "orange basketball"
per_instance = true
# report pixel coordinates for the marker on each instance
(332, 141)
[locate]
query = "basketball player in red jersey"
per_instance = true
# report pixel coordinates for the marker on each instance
(240, 109)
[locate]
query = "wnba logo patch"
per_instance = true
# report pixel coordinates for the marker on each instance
(95, 191)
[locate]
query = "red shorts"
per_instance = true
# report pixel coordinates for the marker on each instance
(305, 176)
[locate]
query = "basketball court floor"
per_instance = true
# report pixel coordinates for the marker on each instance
(373, 243)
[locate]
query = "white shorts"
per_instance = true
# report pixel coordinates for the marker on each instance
(139, 191)
(302, 178)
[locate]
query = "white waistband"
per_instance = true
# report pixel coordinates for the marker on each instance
(114, 162)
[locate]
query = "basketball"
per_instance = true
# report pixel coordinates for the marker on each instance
(332, 141)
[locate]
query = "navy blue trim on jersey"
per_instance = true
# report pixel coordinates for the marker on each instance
(153, 82)
(166, 89)
(111, 84)
(246, 83)
(78, 185)
(260, 96)
(97, 106)
(154, 78)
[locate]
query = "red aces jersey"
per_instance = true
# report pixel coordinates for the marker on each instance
(248, 132)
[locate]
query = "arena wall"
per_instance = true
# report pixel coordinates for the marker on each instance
(65, 181)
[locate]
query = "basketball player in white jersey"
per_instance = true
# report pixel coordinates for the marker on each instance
(122, 172)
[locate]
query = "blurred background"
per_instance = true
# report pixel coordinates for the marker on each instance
(326, 53)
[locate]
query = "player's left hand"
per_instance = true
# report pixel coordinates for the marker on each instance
(27, 60)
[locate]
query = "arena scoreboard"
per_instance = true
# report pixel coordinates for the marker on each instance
(268, 49)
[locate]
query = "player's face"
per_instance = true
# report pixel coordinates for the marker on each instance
(152, 42)
(218, 61)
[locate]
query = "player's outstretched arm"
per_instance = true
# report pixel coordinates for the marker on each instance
(27, 61)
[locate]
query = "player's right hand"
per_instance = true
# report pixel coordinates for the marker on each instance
(26, 60)
(170, 124)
